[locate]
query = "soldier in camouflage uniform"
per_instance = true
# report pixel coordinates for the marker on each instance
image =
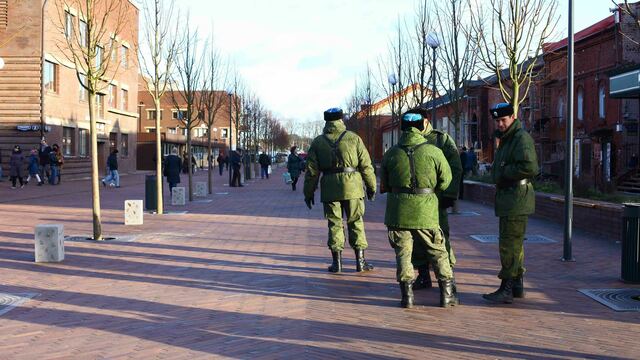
(414, 172)
(342, 159)
(514, 165)
(446, 198)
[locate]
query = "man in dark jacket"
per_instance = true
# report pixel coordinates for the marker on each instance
(264, 161)
(221, 162)
(45, 164)
(236, 162)
(172, 167)
(112, 166)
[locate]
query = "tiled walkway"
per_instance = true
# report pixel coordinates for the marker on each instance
(244, 277)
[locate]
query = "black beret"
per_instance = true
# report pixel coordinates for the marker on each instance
(333, 114)
(501, 109)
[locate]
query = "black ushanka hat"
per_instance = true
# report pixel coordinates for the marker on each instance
(333, 114)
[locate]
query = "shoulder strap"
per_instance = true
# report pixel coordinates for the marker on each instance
(410, 150)
(336, 155)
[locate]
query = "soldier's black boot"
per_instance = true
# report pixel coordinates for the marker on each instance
(448, 293)
(423, 280)
(504, 294)
(361, 263)
(518, 287)
(336, 265)
(407, 294)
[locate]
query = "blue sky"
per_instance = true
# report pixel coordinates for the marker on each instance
(303, 56)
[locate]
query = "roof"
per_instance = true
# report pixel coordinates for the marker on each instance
(602, 25)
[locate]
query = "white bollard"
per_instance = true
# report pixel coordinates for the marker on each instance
(49, 245)
(133, 212)
(178, 196)
(201, 189)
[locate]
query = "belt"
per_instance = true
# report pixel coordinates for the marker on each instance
(511, 184)
(339, 170)
(417, 191)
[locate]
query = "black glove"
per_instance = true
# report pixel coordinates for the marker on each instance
(310, 202)
(371, 195)
(446, 202)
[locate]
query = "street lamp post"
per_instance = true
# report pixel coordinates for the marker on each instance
(393, 81)
(568, 196)
(229, 169)
(433, 41)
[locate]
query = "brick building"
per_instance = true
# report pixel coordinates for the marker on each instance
(174, 133)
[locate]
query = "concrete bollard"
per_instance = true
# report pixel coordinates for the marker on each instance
(241, 176)
(49, 239)
(133, 212)
(178, 196)
(201, 189)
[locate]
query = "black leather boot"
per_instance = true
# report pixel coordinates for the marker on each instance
(336, 265)
(407, 294)
(504, 294)
(423, 280)
(518, 287)
(448, 293)
(361, 263)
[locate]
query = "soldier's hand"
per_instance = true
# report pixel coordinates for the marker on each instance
(310, 202)
(371, 195)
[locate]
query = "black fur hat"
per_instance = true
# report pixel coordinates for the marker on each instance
(333, 114)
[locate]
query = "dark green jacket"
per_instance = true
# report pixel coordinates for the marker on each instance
(411, 211)
(445, 142)
(515, 160)
(340, 186)
(294, 165)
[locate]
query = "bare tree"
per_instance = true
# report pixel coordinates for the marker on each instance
(628, 9)
(187, 97)
(512, 41)
(458, 56)
(89, 47)
(156, 54)
(367, 94)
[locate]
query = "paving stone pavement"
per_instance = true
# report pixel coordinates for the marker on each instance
(244, 277)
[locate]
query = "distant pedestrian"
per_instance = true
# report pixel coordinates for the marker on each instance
(236, 163)
(53, 164)
(294, 166)
(172, 167)
(45, 164)
(113, 175)
(15, 166)
(464, 160)
(265, 162)
(33, 167)
(221, 161)
(472, 158)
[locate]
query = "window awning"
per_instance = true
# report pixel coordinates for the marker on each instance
(625, 85)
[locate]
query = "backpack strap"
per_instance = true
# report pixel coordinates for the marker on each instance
(410, 150)
(336, 155)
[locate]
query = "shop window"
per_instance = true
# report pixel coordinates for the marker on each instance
(67, 141)
(124, 144)
(83, 140)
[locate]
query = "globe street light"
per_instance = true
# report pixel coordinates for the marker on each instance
(393, 81)
(433, 42)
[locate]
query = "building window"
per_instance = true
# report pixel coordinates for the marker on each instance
(124, 144)
(82, 33)
(67, 141)
(99, 54)
(124, 99)
(124, 54)
(172, 130)
(112, 96)
(201, 115)
(601, 102)
(50, 76)
(113, 142)
(151, 130)
(100, 105)
(83, 140)
(200, 132)
(113, 50)
(224, 133)
(83, 89)
(178, 114)
(184, 132)
(580, 110)
(151, 114)
(560, 109)
(68, 25)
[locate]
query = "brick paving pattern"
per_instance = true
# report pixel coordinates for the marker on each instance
(244, 277)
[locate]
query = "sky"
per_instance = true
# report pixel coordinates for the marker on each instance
(301, 57)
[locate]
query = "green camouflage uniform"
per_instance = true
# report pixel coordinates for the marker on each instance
(445, 143)
(341, 192)
(515, 160)
(413, 218)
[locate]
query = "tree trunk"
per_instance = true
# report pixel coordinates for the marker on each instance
(95, 175)
(189, 155)
(159, 198)
(209, 161)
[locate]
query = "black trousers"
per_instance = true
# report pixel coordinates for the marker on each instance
(235, 180)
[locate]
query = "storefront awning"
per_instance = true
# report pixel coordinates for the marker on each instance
(625, 85)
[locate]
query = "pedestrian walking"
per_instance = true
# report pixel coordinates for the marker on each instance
(45, 162)
(16, 163)
(56, 160)
(265, 162)
(515, 164)
(344, 163)
(294, 166)
(464, 161)
(113, 177)
(413, 172)
(446, 198)
(33, 167)
(172, 167)
(235, 157)
(220, 160)
(472, 159)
